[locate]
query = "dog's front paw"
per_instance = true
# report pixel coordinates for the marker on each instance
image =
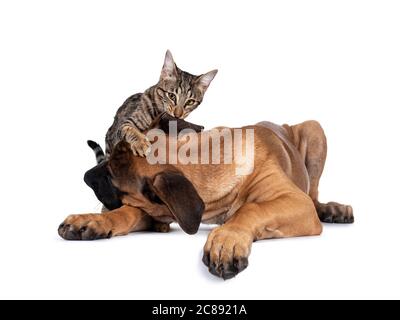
(85, 227)
(161, 227)
(226, 251)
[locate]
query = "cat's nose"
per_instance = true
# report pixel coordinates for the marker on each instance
(178, 112)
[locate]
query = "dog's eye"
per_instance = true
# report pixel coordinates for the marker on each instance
(172, 96)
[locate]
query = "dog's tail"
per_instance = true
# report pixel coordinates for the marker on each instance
(98, 151)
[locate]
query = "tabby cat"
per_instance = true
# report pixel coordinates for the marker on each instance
(177, 93)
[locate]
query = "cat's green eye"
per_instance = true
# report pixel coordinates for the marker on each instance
(190, 102)
(172, 96)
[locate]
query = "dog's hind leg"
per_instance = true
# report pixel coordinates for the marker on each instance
(333, 212)
(309, 138)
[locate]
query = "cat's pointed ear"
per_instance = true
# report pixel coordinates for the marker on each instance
(204, 80)
(169, 68)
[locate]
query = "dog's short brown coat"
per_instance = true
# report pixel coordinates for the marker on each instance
(278, 199)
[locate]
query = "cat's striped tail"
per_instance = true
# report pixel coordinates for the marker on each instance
(98, 151)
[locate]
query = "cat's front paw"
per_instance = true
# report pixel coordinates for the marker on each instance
(139, 143)
(141, 147)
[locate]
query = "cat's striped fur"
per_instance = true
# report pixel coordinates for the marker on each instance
(177, 92)
(98, 151)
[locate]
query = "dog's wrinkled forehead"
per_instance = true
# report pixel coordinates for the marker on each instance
(99, 179)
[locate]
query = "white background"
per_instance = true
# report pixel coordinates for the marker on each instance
(65, 68)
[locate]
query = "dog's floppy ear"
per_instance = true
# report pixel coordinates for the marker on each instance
(181, 198)
(121, 158)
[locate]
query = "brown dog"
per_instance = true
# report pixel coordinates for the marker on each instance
(279, 198)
